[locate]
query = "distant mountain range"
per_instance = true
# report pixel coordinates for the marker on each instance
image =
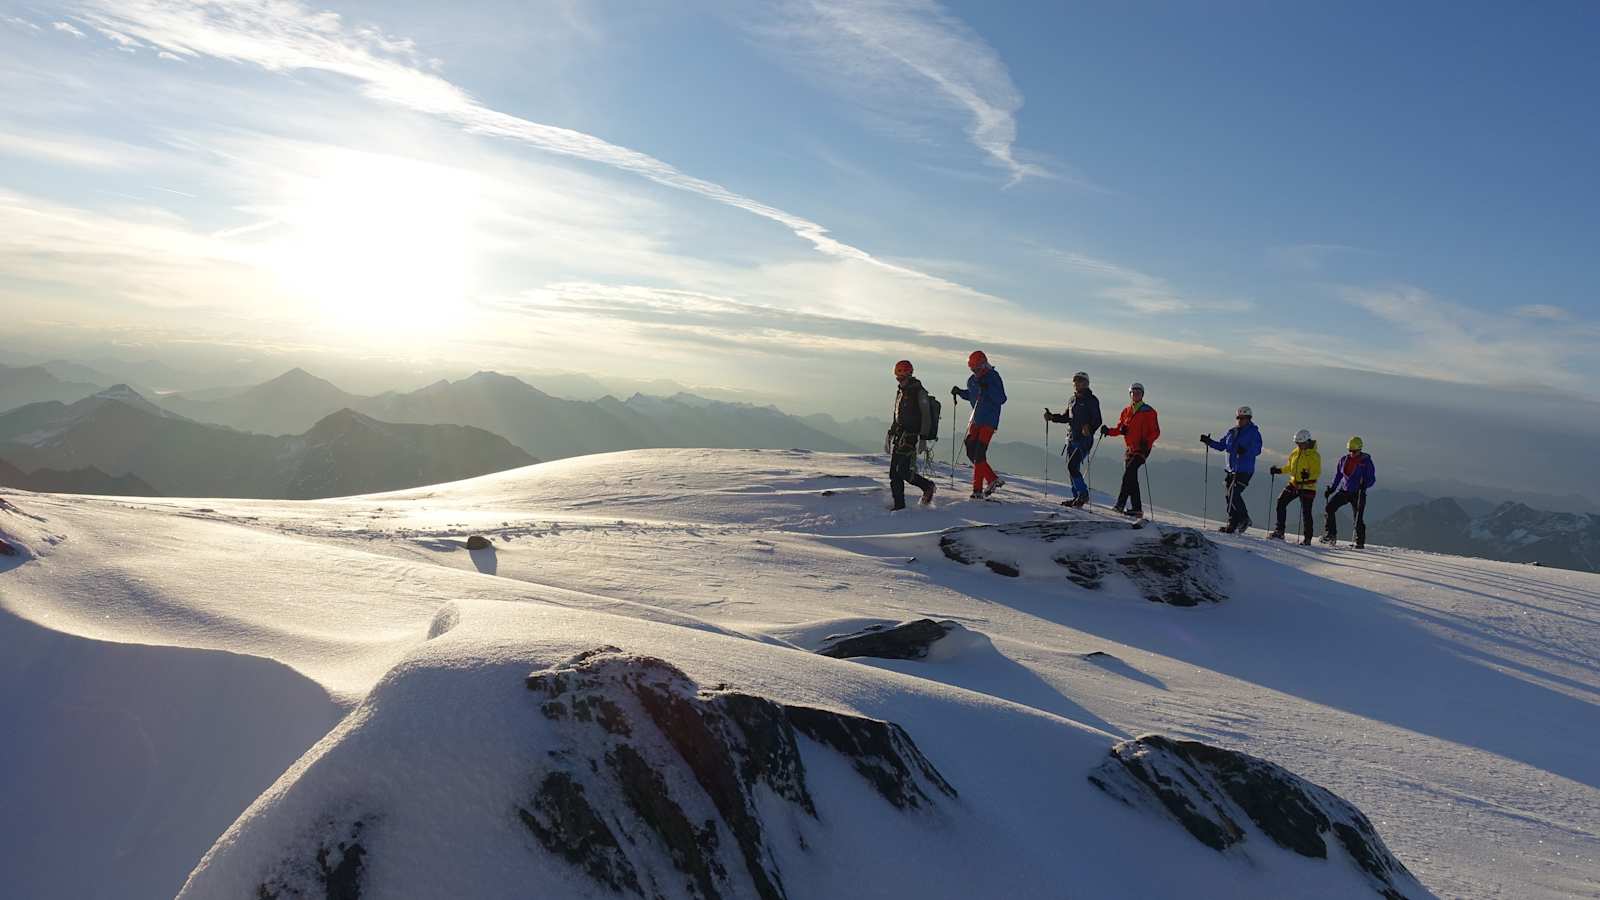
(88, 480)
(20, 385)
(122, 433)
(1512, 532)
(545, 426)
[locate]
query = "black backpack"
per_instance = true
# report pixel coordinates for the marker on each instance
(930, 427)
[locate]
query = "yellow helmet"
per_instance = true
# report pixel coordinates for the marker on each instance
(1355, 444)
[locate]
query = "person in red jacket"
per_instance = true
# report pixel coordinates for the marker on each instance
(1139, 428)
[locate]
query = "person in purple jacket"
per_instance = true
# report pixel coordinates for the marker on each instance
(1351, 478)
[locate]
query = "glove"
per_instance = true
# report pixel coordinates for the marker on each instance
(955, 391)
(1275, 470)
(1047, 413)
(1205, 438)
(1305, 474)
(1104, 431)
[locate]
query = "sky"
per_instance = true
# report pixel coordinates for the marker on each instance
(1356, 213)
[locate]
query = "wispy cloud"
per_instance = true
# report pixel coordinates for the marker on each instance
(889, 53)
(1420, 334)
(1543, 311)
(76, 151)
(1140, 291)
(19, 22)
(68, 28)
(284, 35)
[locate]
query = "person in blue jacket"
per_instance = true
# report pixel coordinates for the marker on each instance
(1082, 417)
(1354, 474)
(987, 393)
(1242, 444)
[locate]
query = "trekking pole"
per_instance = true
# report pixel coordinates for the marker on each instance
(1047, 459)
(1148, 492)
(1092, 452)
(1272, 490)
(1205, 502)
(952, 453)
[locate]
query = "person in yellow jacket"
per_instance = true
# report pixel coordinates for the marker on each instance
(1304, 468)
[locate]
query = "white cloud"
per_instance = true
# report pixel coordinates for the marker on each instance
(67, 28)
(890, 53)
(1422, 335)
(76, 151)
(1140, 291)
(1543, 311)
(20, 22)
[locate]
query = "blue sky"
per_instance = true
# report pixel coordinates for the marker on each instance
(788, 196)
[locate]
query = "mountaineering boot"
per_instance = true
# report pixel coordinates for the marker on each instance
(977, 495)
(927, 495)
(1361, 543)
(1329, 539)
(996, 485)
(1132, 513)
(1275, 535)
(1305, 541)
(1226, 529)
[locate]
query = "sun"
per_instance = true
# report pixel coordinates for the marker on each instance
(379, 245)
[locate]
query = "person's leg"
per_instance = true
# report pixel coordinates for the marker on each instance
(1289, 493)
(1330, 514)
(899, 464)
(1077, 450)
(976, 452)
(1238, 513)
(1130, 484)
(920, 482)
(1307, 500)
(983, 473)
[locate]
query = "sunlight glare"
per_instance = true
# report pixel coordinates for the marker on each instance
(380, 245)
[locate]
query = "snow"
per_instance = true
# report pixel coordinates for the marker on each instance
(1454, 701)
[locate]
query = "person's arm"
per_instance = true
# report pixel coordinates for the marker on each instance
(1221, 445)
(1095, 419)
(960, 392)
(1252, 444)
(996, 389)
(1372, 474)
(1155, 430)
(924, 413)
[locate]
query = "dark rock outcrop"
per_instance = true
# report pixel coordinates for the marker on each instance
(908, 640)
(478, 542)
(1177, 566)
(1223, 798)
(656, 782)
(333, 870)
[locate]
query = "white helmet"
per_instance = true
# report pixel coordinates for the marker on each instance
(1303, 436)
(1136, 386)
(1245, 411)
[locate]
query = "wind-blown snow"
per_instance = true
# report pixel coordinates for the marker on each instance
(1453, 701)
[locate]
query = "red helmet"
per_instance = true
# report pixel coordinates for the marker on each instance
(977, 360)
(902, 368)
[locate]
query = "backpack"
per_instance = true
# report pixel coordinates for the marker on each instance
(930, 422)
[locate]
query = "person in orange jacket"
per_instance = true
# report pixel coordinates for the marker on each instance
(1139, 429)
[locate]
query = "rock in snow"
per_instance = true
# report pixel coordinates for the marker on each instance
(1177, 566)
(908, 640)
(690, 769)
(478, 542)
(1222, 797)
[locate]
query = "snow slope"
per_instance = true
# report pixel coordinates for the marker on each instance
(166, 660)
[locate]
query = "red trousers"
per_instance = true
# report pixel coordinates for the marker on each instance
(978, 437)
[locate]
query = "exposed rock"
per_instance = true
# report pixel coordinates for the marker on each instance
(478, 542)
(334, 870)
(684, 776)
(1177, 566)
(908, 640)
(6, 549)
(1223, 797)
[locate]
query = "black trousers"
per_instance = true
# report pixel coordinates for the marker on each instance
(1307, 498)
(1234, 484)
(903, 468)
(1357, 501)
(1128, 498)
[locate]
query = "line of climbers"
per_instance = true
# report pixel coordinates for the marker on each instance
(916, 421)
